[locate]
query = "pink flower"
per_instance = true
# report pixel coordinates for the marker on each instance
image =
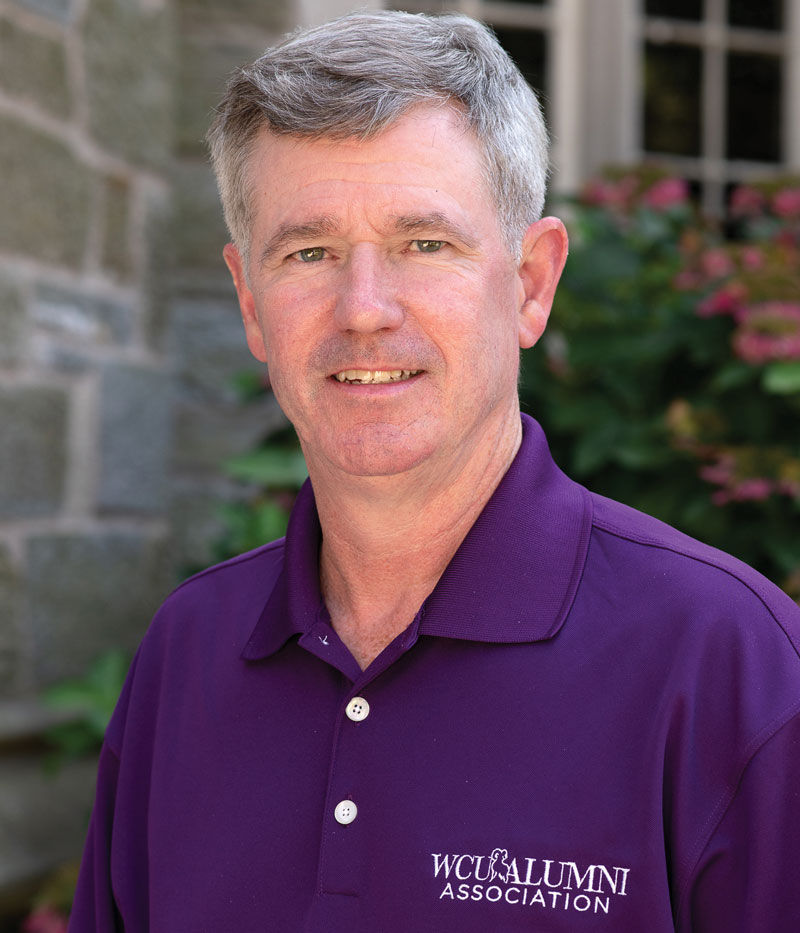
(726, 300)
(746, 202)
(786, 203)
(751, 489)
(769, 331)
(716, 263)
(611, 194)
(687, 280)
(600, 193)
(756, 489)
(786, 238)
(721, 497)
(752, 258)
(718, 473)
(44, 920)
(666, 193)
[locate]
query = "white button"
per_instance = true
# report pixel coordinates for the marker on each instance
(357, 709)
(345, 812)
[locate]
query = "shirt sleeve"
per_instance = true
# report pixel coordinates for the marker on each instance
(746, 878)
(94, 909)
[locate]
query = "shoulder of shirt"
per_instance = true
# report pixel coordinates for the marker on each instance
(212, 611)
(737, 628)
(227, 597)
(639, 529)
(230, 573)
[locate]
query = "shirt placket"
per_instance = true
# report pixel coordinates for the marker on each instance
(348, 821)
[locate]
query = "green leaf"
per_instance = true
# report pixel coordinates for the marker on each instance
(248, 384)
(732, 375)
(785, 553)
(273, 467)
(782, 377)
(91, 700)
(270, 521)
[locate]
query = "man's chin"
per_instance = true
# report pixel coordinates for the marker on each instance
(381, 450)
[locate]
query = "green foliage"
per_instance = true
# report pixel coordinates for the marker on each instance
(90, 700)
(274, 472)
(272, 467)
(669, 377)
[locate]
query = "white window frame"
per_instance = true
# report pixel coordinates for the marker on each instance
(595, 57)
(715, 38)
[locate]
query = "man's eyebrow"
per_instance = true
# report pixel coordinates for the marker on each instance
(435, 222)
(291, 233)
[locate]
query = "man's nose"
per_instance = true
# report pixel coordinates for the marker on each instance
(367, 298)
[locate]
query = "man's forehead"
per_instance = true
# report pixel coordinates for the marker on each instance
(433, 127)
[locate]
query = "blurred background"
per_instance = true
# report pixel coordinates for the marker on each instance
(138, 440)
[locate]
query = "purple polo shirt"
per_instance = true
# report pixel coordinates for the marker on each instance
(593, 723)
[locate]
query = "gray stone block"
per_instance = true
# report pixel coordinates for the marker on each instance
(60, 10)
(33, 453)
(206, 63)
(116, 253)
(34, 68)
(12, 320)
(135, 423)
(129, 53)
(87, 594)
(45, 212)
(207, 343)
(199, 227)
(43, 816)
(80, 318)
(24, 719)
(196, 519)
(275, 16)
(206, 435)
(9, 623)
(159, 261)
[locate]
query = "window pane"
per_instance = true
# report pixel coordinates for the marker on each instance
(672, 75)
(528, 48)
(756, 14)
(675, 9)
(754, 107)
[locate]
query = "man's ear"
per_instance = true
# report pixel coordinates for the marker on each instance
(544, 252)
(247, 304)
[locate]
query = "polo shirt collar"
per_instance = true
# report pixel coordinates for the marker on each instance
(513, 579)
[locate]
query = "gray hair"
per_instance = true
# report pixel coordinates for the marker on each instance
(355, 76)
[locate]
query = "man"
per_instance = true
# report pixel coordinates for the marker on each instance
(464, 694)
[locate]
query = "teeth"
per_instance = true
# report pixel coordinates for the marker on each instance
(367, 376)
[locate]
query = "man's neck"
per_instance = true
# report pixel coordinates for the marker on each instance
(386, 543)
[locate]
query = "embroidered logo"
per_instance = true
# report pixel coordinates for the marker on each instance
(529, 882)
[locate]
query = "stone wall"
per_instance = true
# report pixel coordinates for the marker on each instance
(86, 148)
(119, 339)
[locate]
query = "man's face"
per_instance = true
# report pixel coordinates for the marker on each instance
(382, 296)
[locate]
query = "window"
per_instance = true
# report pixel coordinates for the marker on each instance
(715, 86)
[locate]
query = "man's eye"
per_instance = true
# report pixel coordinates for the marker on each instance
(312, 254)
(429, 246)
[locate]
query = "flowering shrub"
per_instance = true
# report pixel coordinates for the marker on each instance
(45, 920)
(670, 374)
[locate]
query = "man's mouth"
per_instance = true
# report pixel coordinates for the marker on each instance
(373, 376)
